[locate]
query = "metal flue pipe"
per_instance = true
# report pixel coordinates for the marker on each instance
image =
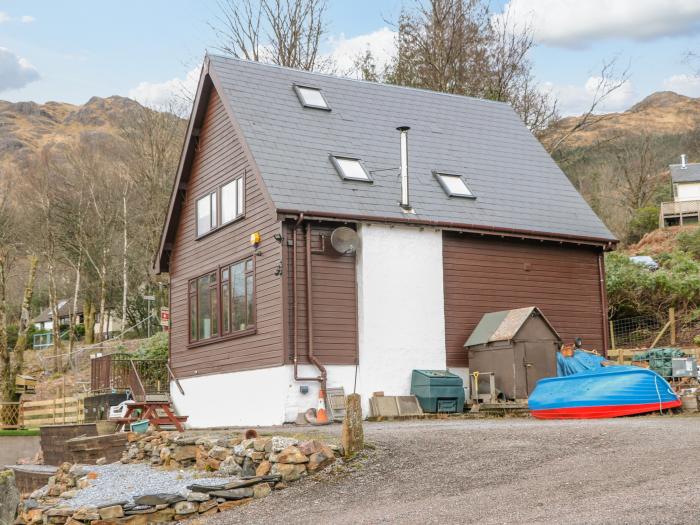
(405, 204)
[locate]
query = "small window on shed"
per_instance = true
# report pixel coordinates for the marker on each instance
(454, 185)
(350, 169)
(311, 97)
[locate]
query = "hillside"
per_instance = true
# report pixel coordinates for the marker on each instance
(27, 127)
(661, 113)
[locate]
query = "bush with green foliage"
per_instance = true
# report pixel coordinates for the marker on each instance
(154, 348)
(635, 290)
(643, 221)
(689, 241)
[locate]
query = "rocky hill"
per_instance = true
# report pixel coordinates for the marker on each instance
(661, 113)
(27, 127)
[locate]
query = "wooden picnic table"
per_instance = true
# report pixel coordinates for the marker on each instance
(149, 410)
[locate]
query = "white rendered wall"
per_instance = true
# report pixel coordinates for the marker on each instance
(401, 320)
(268, 396)
(688, 191)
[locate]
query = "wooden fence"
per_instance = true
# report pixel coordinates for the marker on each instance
(34, 414)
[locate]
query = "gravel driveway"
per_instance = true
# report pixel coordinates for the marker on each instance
(630, 470)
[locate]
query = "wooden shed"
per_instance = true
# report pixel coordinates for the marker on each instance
(519, 346)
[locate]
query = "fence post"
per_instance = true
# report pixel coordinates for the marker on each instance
(672, 320)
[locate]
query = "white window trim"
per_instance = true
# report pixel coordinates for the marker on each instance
(439, 176)
(240, 199)
(341, 173)
(213, 213)
(300, 96)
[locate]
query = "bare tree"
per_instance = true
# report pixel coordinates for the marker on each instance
(639, 171)
(609, 81)
(283, 32)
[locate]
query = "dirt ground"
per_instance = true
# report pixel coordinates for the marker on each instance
(628, 470)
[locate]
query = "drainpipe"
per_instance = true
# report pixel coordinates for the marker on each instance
(322, 377)
(603, 302)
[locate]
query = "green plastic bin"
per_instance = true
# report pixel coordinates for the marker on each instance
(438, 391)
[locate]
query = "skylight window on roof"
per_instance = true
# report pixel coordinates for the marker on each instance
(454, 185)
(311, 97)
(350, 169)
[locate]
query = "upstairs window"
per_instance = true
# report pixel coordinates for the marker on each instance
(206, 214)
(350, 169)
(311, 97)
(454, 185)
(231, 200)
(220, 207)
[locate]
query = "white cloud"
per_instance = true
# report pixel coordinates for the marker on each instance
(344, 50)
(27, 19)
(688, 85)
(4, 17)
(163, 93)
(15, 72)
(574, 100)
(576, 23)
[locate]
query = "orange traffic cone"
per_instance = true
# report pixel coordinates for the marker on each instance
(321, 416)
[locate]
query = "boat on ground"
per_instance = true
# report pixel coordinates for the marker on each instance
(605, 391)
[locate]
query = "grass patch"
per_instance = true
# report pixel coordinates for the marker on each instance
(22, 432)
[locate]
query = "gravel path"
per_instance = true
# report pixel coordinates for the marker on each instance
(118, 483)
(630, 470)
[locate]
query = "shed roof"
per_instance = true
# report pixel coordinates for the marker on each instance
(64, 310)
(517, 185)
(503, 326)
(689, 173)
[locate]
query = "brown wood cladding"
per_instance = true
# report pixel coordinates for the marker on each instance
(221, 157)
(334, 299)
(486, 275)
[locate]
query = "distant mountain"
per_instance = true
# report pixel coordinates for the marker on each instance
(661, 113)
(27, 127)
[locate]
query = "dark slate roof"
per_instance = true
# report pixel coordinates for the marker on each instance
(64, 310)
(691, 173)
(517, 184)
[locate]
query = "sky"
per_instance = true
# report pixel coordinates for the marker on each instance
(72, 50)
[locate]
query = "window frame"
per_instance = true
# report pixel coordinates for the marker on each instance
(240, 198)
(439, 176)
(304, 104)
(193, 290)
(341, 173)
(218, 216)
(213, 217)
(221, 335)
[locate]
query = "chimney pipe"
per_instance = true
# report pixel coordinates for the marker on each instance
(404, 167)
(683, 161)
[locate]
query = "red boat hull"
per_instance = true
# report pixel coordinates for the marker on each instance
(602, 411)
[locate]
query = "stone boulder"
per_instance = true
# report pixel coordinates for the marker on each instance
(9, 497)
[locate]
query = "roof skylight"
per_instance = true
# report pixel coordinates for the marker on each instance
(350, 169)
(454, 185)
(311, 97)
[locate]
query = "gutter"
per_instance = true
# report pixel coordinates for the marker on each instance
(603, 303)
(606, 243)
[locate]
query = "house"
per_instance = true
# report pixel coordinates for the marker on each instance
(685, 208)
(44, 322)
(309, 242)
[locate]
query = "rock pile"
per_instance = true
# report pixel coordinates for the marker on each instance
(260, 465)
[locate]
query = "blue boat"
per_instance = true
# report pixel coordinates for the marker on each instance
(603, 391)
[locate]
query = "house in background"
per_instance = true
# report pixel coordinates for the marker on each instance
(685, 208)
(310, 243)
(44, 323)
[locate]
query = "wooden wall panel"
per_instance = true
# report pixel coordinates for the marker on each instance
(334, 299)
(220, 157)
(484, 275)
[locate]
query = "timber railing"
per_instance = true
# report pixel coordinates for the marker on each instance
(34, 414)
(679, 211)
(121, 373)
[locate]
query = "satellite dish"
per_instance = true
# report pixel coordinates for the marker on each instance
(345, 240)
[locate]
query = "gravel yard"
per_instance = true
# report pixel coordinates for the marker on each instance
(121, 483)
(629, 470)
